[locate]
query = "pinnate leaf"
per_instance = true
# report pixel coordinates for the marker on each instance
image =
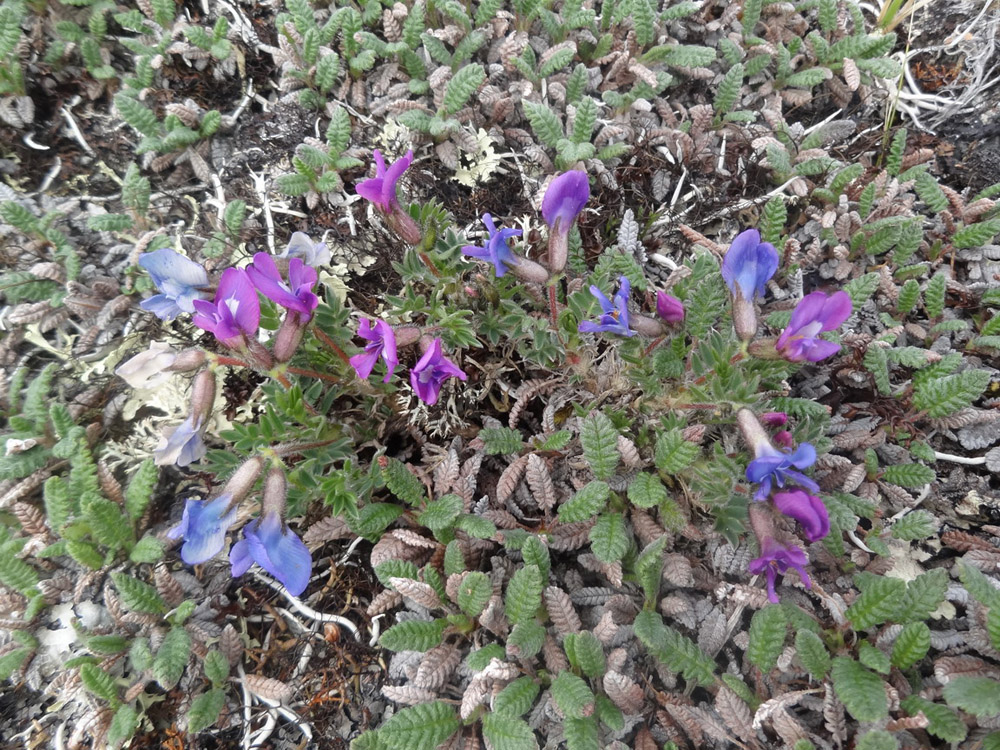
(860, 690)
(599, 439)
(767, 637)
(524, 594)
(423, 726)
(571, 694)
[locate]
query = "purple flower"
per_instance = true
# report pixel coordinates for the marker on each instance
(777, 559)
(807, 509)
(178, 279)
(381, 189)
(496, 250)
(295, 296)
(814, 314)
(235, 313)
(669, 307)
(269, 542)
(749, 264)
(564, 199)
(181, 445)
(774, 418)
(431, 371)
(381, 343)
(204, 527)
(614, 315)
(772, 467)
(300, 246)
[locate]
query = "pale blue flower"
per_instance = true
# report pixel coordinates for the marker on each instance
(269, 542)
(179, 280)
(203, 528)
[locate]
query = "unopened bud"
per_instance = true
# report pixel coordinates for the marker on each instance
(275, 492)
(528, 270)
(784, 439)
(744, 318)
(188, 360)
(406, 335)
(558, 250)
(289, 336)
(405, 226)
(243, 479)
(774, 418)
(203, 395)
(646, 326)
(753, 431)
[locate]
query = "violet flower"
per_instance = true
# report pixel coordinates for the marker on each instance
(772, 467)
(203, 528)
(496, 250)
(381, 189)
(669, 308)
(777, 559)
(181, 445)
(301, 246)
(295, 296)
(234, 314)
(381, 343)
(179, 280)
(269, 542)
(564, 199)
(749, 264)
(816, 313)
(431, 371)
(807, 509)
(614, 315)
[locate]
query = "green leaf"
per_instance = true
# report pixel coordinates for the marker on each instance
(535, 552)
(861, 289)
(524, 594)
(505, 732)
(729, 90)
(877, 739)
(608, 538)
(923, 595)
(976, 235)
(388, 569)
(140, 655)
(584, 120)
(375, 518)
(773, 219)
(878, 603)
(649, 567)
(918, 524)
(812, 653)
(517, 697)
(138, 596)
(673, 453)
(205, 710)
(861, 691)
(413, 635)
(327, 70)
(599, 440)
(544, 122)
(107, 523)
(501, 440)
(525, 640)
(58, 505)
(171, 657)
(137, 115)
(474, 593)
(216, 667)
(99, 682)
(478, 660)
(912, 645)
(425, 726)
(646, 491)
(476, 526)
(585, 653)
(402, 482)
(581, 734)
(586, 503)
(15, 572)
(979, 696)
(442, 513)
(873, 658)
(944, 723)
(676, 651)
(572, 696)
(462, 86)
(944, 396)
(767, 637)
(123, 725)
(977, 584)
(909, 475)
(107, 644)
(934, 295)
(149, 549)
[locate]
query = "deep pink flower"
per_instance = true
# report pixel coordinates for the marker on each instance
(774, 418)
(816, 313)
(431, 371)
(297, 295)
(234, 314)
(669, 307)
(777, 559)
(381, 189)
(381, 343)
(807, 509)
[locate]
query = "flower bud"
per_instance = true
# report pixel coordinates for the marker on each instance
(275, 492)
(243, 479)
(646, 326)
(188, 360)
(406, 335)
(405, 226)
(289, 336)
(669, 307)
(774, 418)
(744, 318)
(203, 395)
(528, 270)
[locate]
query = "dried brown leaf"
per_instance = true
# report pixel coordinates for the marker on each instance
(231, 645)
(437, 667)
(408, 695)
(540, 482)
(269, 688)
(421, 593)
(561, 611)
(511, 478)
(623, 692)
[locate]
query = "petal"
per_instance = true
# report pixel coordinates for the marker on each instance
(169, 264)
(379, 163)
(364, 362)
(240, 558)
(837, 309)
(808, 310)
(428, 391)
(474, 251)
(392, 176)
(589, 326)
(564, 199)
(371, 190)
(162, 306)
(606, 305)
(737, 255)
(290, 561)
(235, 285)
(803, 457)
(820, 349)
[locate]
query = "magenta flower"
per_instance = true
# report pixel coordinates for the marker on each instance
(669, 307)
(772, 467)
(496, 250)
(816, 313)
(749, 264)
(431, 371)
(235, 313)
(269, 542)
(614, 314)
(381, 343)
(204, 527)
(807, 509)
(297, 295)
(179, 280)
(777, 559)
(774, 418)
(565, 198)
(381, 189)
(181, 445)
